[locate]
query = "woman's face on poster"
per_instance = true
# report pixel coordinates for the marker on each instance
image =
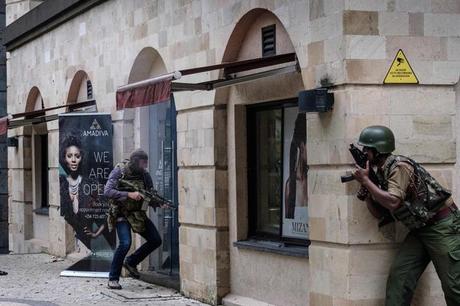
(73, 158)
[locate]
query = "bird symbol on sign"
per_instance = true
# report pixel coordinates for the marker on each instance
(400, 61)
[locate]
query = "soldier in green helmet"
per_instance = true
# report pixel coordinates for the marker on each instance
(425, 207)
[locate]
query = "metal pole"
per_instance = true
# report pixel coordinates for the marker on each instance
(176, 75)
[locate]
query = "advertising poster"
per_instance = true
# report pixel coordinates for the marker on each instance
(85, 162)
(295, 171)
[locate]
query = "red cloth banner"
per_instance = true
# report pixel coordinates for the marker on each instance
(3, 125)
(141, 96)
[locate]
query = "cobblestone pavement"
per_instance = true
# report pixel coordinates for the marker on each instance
(33, 279)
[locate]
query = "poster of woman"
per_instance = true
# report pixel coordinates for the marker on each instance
(295, 195)
(85, 159)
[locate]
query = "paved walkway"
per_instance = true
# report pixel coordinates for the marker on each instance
(34, 279)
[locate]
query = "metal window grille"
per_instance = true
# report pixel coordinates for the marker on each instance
(268, 40)
(89, 90)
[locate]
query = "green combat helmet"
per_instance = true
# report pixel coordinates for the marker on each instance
(378, 137)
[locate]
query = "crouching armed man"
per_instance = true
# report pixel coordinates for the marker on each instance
(126, 214)
(416, 199)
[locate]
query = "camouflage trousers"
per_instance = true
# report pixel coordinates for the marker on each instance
(439, 243)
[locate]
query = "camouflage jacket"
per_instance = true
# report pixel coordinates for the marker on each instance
(424, 195)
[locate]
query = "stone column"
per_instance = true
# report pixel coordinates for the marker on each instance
(203, 211)
(20, 186)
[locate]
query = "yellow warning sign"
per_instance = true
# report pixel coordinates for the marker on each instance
(400, 71)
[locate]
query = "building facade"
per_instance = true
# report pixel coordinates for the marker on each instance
(235, 245)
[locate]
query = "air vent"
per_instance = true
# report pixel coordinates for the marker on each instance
(89, 90)
(268, 40)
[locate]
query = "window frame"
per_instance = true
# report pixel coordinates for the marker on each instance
(251, 111)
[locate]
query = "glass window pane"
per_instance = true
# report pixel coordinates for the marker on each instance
(269, 170)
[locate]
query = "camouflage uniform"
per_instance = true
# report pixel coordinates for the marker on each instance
(437, 241)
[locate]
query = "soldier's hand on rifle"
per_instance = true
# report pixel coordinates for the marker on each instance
(361, 174)
(136, 196)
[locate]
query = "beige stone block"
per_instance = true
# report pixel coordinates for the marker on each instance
(328, 218)
(57, 233)
(365, 47)
(326, 27)
(308, 77)
(200, 119)
(402, 127)
(356, 123)
(22, 185)
(365, 5)
(54, 188)
(360, 23)
(393, 23)
(363, 227)
(446, 72)
(370, 101)
(440, 127)
(368, 286)
(53, 148)
(186, 269)
(445, 6)
(416, 24)
(453, 47)
(422, 128)
(427, 101)
(429, 152)
(442, 25)
(316, 9)
(416, 48)
(333, 49)
(316, 53)
(413, 6)
(366, 71)
(329, 269)
(318, 299)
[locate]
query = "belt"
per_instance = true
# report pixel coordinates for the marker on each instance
(443, 213)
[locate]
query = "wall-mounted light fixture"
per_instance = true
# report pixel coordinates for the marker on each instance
(315, 100)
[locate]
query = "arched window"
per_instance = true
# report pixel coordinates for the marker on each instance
(81, 89)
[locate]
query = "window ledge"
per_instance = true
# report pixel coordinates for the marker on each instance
(44, 211)
(272, 247)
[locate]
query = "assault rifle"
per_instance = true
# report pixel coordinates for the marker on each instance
(361, 160)
(151, 198)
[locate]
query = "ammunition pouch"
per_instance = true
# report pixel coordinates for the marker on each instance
(413, 215)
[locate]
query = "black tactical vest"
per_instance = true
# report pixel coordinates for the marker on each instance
(424, 195)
